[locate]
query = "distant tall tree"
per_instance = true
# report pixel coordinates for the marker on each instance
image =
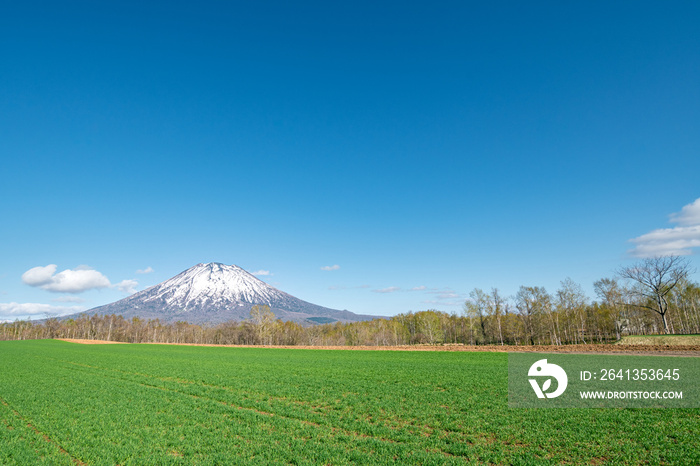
(264, 320)
(478, 307)
(611, 300)
(655, 278)
(497, 306)
(571, 301)
(532, 303)
(429, 326)
(686, 300)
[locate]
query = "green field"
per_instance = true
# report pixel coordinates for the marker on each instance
(65, 403)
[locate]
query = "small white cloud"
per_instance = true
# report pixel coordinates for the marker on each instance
(127, 286)
(68, 299)
(261, 273)
(445, 296)
(689, 214)
(418, 288)
(330, 267)
(677, 241)
(39, 276)
(444, 303)
(80, 279)
(342, 287)
(391, 289)
(146, 270)
(77, 280)
(9, 310)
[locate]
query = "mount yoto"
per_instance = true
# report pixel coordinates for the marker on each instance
(214, 293)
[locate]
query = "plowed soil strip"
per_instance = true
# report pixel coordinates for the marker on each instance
(43, 435)
(679, 350)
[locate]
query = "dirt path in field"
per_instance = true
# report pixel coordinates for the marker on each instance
(686, 350)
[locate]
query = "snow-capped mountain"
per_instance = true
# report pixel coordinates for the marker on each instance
(207, 284)
(215, 293)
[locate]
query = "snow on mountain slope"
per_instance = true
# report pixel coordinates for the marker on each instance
(214, 293)
(211, 283)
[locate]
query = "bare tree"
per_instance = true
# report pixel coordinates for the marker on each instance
(656, 277)
(264, 320)
(497, 307)
(572, 303)
(429, 326)
(532, 303)
(611, 298)
(478, 307)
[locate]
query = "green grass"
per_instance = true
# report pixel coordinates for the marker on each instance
(64, 403)
(670, 340)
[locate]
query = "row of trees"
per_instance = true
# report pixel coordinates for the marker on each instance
(652, 296)
(656, 297)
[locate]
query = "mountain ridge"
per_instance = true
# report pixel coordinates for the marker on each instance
(213, 293)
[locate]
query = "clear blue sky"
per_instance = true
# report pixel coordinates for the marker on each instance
(424, 148)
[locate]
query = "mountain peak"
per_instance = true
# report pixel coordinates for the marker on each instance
(213, 281)
(214, 292)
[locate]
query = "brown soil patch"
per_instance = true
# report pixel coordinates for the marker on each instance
(693, 340)
(683, 350)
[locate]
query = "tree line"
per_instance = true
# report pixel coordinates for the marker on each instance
(651, 297)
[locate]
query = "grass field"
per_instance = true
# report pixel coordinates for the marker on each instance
(670, 340)
(65, 403)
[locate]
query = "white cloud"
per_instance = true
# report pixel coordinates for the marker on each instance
(77, 280)
(689, 214)
(30, 309)
(342, 287)
(391, 289)
(68, 299)
(39, 276)
(146, 270)
(442, 291)
(679, 240)
(444, 303)
(668, 241)
(127, 286)
(261, 273)
(330, 267)
(446, 296)
(418, 288)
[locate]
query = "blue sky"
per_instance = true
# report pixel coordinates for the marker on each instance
(423, 148)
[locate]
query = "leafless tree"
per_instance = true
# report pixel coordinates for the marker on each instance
(264, 320)
(655, 278)
(532, 304)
